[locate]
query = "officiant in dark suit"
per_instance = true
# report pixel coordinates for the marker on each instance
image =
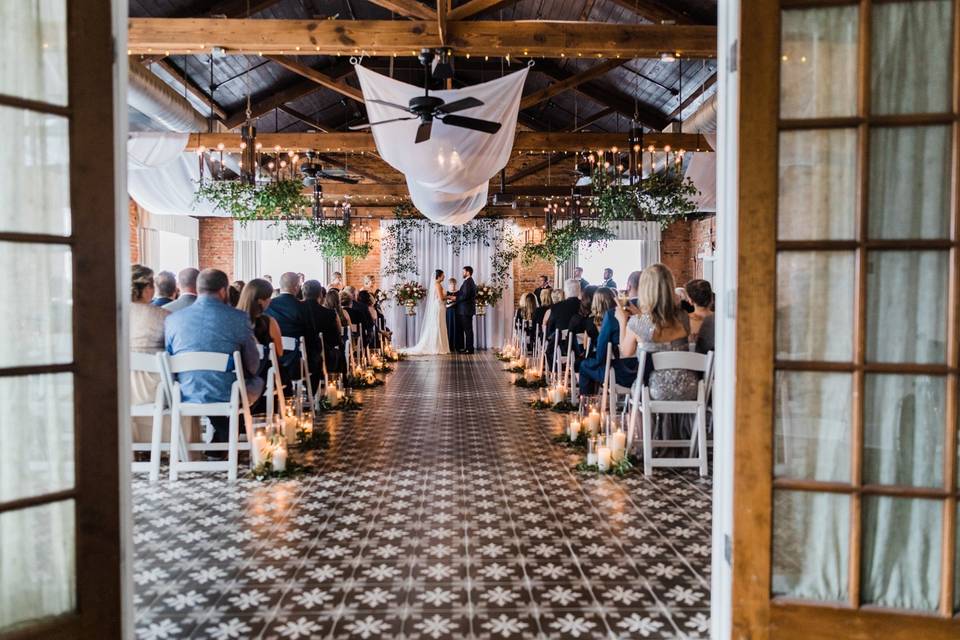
(454, 338)
(466, 306)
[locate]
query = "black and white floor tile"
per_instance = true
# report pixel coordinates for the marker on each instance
(441, 510)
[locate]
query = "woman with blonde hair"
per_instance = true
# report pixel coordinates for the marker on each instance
(657, 323)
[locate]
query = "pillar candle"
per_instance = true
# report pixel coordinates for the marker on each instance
(279, 458)
(603, 458)
(258, 450)
(593, 421)
(618, 445)
(574, 430)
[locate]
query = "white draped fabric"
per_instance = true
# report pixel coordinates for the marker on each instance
(169, 242)
(648, 233)
(259, 248)
(702, 170)
(448, 174)
(432, 252)
(162, 178)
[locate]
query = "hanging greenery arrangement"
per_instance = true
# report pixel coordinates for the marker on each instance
(663, 197)
(561, 244)
(283, 202)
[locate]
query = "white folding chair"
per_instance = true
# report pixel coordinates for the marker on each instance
(160, 407)
(697, 407)
(179, 447)
(305, 374)
(303, 385)
(617, 392)
(273, 382)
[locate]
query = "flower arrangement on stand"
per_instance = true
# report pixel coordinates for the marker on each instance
(487, 296)
(409, 294)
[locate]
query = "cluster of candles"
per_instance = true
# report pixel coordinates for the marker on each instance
(334, 393)
(555, 393)
(605, 446)
(270, 444)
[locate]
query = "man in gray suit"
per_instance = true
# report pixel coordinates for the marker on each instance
(187, 279)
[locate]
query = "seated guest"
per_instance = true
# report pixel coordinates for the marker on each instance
(374, 333)
(233, 293)
(211, 325)
(544, 283)
(254, 300)
(348, 299)
(584, 321)
(525, 317)
(546, 299)
(337, 282)
(656, 323)
(578, 275)
(608, 280)
(146, 336)
(633, 281)
(187, 279)
(295, 322)
(700, 294)
(561, 313)
(326, 323)
(332, 302)
(592, 368)
(166, 288)
(240, 284)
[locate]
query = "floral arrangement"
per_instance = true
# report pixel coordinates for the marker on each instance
(488, 294)
(409, 293)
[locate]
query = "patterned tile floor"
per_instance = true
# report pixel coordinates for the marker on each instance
(441, 510)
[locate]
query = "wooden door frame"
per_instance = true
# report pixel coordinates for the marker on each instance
(96, 32)
(755, 613)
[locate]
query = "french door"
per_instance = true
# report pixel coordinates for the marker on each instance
(848, 320)
(60, 505)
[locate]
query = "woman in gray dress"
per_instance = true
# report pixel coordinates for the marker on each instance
(657, 323)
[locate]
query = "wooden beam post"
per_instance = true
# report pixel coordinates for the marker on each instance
(556, 88)
(319, 77)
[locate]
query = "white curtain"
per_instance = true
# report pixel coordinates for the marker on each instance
(433, 252)
(259, 248)
(162, 177)
(647, 233)
(37, 545)
(169, 242)
(448, 174)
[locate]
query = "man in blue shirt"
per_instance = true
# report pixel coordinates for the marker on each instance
(210, 324)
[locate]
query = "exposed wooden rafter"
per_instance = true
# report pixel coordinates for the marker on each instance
(473, 7)
(655, 11)
(312, 37)
(319, 77)
(192, 88)
(525, 141)
(570, 82)
(407, 8)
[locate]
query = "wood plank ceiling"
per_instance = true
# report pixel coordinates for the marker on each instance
(311, 93)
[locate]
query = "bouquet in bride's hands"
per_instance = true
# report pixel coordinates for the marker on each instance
(409, 294)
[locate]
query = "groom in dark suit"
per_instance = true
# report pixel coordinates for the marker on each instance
(466, 308)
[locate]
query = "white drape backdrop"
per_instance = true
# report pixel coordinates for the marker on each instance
(432, 252)
(169, 242)
(447, 175)
(648, 233)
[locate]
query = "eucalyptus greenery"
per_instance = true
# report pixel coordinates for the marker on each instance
(330, 238)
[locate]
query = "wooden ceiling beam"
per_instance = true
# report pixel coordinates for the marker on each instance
(304, 118)
(473, 7)
(291, 93)
(654, 11)
(192, 88)
(570, 82)
(534, 141)
(534, 169)
(407, 9)
(322, 79)
(623, 104)
(318, 37)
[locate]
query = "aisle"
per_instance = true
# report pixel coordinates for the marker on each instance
(442, 510)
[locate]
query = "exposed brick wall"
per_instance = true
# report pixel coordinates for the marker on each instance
(216, 244)
(355, 269)
(526, 277)
(134, 231)
(680, 244)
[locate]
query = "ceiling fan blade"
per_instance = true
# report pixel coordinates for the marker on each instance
(476, 124)
(357, 127)
(336, 178)
(459, 105)
(423, 131)
(390, 104)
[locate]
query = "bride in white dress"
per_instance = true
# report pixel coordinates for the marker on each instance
(433, 335)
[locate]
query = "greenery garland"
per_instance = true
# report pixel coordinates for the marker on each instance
(282, 201)
(561, 244)
(661, 197)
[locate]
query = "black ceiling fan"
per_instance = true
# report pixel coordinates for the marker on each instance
(429, 108)
(313, 171)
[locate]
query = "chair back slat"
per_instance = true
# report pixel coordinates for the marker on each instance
(289, 343)
(679, 360)
(148, 362)
(198, 361)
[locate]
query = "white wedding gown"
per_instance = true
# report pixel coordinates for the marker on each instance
(433, 335)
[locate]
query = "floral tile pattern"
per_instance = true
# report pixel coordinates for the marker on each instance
(441, 510)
